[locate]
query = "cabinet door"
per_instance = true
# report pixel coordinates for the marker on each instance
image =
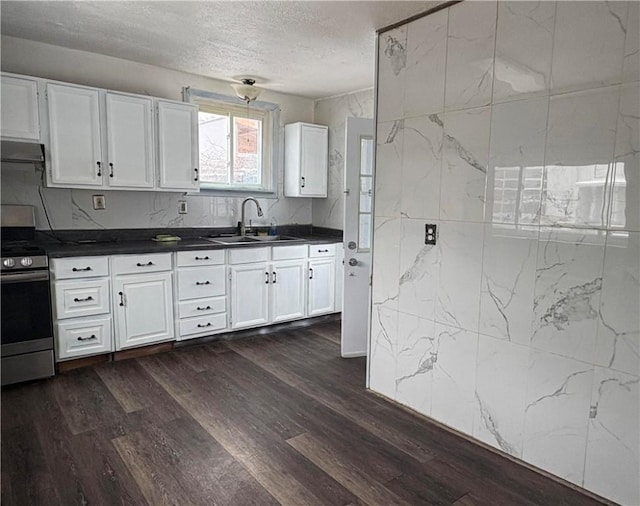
(313, 160)
(19, 110)
(129, 141)
(288, 290)
(178, 155)
(74, 124)
(143, 309)
(321, 286)
(249, 295)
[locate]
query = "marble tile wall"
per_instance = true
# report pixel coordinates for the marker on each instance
(333, 112)
(514, 126)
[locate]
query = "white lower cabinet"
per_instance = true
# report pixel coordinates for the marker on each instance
(249, 295)
(321, 286)
(288, 290)
(143, 303)
(81, 300)
(201, 293)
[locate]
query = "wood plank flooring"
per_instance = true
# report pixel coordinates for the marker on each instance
(271, 419)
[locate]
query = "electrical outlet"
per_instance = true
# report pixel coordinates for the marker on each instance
(99, 202)
(182, 207)
(430, 234)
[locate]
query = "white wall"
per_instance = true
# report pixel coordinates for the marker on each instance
(72, 209)
(333, 112)
(514, 128)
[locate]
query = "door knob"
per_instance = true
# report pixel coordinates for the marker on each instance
(353, 262)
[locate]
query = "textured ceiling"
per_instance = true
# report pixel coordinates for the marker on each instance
(313, 49)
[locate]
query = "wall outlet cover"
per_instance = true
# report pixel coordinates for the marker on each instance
(99, 202)
(182, 207)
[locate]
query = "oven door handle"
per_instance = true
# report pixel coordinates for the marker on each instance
(24, 277)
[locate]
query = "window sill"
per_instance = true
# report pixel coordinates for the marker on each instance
(240, 193)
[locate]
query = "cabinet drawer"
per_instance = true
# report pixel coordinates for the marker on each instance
(81, 298)
(248, 255)
(196, 258)
(84, 337)
(79, 267)
(141, 264)
(198, 282)
(199, 307)
(322, 250)
(203, 324)
(289, 252)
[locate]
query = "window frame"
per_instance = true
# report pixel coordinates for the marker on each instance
(271, 125)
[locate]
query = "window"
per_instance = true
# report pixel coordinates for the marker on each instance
(238, 144)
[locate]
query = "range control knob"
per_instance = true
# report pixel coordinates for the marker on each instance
(9, 262)
(26, 262)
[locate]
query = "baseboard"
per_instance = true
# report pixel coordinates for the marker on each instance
(354, 354)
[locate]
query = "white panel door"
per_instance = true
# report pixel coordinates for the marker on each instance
(19, 111)
(178, 156)
(129, 141)
(74, 128)
(358, 227)
(249, 295)
(321, 286)
(313, 160)
(143, 309)
(288, 290)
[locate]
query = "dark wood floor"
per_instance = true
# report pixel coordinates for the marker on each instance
(277, 419)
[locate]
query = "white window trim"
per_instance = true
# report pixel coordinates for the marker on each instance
(202, 97)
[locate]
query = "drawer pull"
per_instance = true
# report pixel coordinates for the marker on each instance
(200, 283)
(121, 298)
(86, 299)
(200, 325)
(323, 251)
(203, 308)
(202, 258)
(92, 336)
(148, 264)
(76, 269)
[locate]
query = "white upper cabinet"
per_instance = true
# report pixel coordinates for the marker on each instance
(178, 157)
(75, 136)
(19, 111)
(306, 160)
(130, 157)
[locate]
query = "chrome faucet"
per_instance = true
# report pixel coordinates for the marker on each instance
(242, 228)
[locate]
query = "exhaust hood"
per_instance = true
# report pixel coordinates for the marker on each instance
(22, 152)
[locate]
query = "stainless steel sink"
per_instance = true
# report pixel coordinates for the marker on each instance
(236, 239)
(271, 238)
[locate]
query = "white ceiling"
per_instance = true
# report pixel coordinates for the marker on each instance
(311, 48)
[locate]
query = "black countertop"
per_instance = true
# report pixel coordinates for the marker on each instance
(97, 246)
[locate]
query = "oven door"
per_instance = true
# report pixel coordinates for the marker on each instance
(26, 312)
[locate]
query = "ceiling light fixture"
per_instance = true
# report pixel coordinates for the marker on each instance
(247, 91)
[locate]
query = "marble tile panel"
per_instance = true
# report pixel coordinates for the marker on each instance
(612, 465)
(386, 260)
(425, 71)
(383, 349)
(501, 389)
(417, 354)
(464, 164)
(588, 45)
(421, 166)
(625, 200)
(454, 375)
(458, 296)
(524, 41)
(618, 341)
(557, 414)
(392, 58)
(516, 161)
(419, 271)
(567, 292)
(578, 158)
(631, 62)
(388, 176)
(508, 282)
(470, 52)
